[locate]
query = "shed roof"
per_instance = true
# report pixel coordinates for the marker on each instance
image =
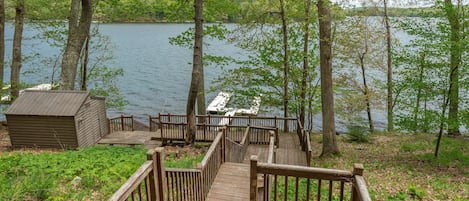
(48, 103)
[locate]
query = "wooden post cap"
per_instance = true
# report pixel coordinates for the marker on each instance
(358, 169)
(254, 158)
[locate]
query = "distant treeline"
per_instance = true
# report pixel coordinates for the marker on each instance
(169, 10)
(392, 12)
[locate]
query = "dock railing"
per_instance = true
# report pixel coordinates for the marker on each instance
(305, 142)
(273, 122)
(152, 181)
(147, 183)
(290, 182)
(174, 127)
(121, 123)
(153, 123)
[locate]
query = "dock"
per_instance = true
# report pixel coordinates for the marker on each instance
(218, 106)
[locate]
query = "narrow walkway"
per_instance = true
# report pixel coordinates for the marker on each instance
(289, 151)
(231, 183)
(232, 180)
(131, 138)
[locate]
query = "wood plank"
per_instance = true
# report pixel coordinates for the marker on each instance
(231, 183)
(127, 137)
(289, 151)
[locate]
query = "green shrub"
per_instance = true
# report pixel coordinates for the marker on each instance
(358, 134)
(47, 176)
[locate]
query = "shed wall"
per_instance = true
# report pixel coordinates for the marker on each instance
(42, 131)
(89, 121)
(103, 122)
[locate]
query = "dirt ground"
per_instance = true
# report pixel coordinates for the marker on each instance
(4, 138)
(179, 151)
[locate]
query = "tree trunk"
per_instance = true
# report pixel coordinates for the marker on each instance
(78, 29)
(389, 70)
(201, 98)
(84, 71)
(2, 40)
(305, 64)
(285, 64)
(366, 94)
(329, 143)
(455, 61)
(196, 73)
(419, 92)
(16, 60)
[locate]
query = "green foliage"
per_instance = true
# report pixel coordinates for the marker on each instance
(102, 72)
(359, 53)
(290, 191)
(53, 176)
(132, 11)
(48, 176)
(423, 67)
(392, 12)
(453, 154)
(358, 134)
(398, 196)
(416, 192)
(402, 166)
(186, 161)
(262, 71)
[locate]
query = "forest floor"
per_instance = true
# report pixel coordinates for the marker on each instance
(402, 166)
(397, 166)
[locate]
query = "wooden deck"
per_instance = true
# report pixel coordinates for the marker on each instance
(231, 183)
(232, 180)
(289, 151)
(128, 138)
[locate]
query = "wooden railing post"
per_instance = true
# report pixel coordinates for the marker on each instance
(157, 176)
(122, 122)
(275, 122)
(357, 170)
(223, 145)
(149, 123)
(132, 118)
(202, 181)
(277, 138)
(109, 126)
(205, 131)
(151, 155)
(253, 179)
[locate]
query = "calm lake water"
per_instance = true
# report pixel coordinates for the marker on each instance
(156, 74)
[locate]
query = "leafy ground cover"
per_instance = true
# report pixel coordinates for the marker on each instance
(402, 166)
(93, 173)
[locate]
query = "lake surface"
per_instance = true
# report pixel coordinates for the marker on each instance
(156, 74)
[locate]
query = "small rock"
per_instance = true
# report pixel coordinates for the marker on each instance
(76, 181)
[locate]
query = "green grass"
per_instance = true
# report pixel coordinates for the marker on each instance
(48, 176)
(25, 175)
(186, 161)
(402, 166)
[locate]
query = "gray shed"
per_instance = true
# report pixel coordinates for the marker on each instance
(56, 119)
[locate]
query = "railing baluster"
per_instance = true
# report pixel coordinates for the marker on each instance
(286, 188)
(319, 189)
(275, 188)
(296, 188)
(342, 184)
